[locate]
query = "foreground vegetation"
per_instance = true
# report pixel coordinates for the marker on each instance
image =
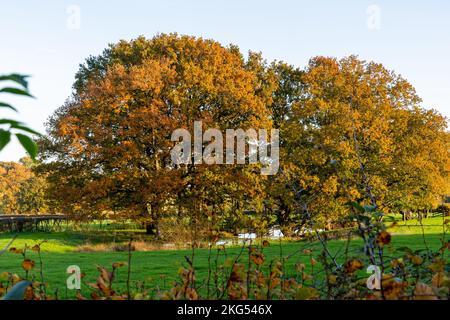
(357, 149)
(155, 273)
(346, 126)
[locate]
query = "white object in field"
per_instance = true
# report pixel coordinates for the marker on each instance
(275, 234)
(247, 236)
(374, 281)
(305, 231)
(222, 242)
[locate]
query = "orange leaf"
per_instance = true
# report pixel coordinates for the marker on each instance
(424, 292)
(118, 264)
(352, 265)
(28, 264)
(383, 238)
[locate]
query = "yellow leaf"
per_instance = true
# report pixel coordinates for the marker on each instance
(306, 294)
(332, 279)
(300, 267)
(118, 264)
(424, 292)
(417, 260)
(439, 279)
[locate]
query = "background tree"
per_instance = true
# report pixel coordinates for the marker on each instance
(280, 205)
(350, 131)
(22, 192)
(109, 145)
(357, 125)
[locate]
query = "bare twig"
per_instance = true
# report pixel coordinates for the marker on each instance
(8, 245)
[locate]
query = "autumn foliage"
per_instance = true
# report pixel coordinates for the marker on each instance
(21, 190)
(350, 131)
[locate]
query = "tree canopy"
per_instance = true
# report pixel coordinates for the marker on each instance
(110, 144)
(349, 130)
(357, 124)
(22, 191)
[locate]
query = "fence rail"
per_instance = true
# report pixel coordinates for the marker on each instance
(29, 222)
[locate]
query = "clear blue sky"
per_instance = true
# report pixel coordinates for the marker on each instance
(40, 38)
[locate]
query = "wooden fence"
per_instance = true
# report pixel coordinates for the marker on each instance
(19, 223)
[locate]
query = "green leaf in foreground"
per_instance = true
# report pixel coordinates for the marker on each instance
(28, 144)
(10, 122)
(19, 78)
(16, 91)
(5, 137)
(7, 105)
(357, 206)
(25, 128)
(18, 291)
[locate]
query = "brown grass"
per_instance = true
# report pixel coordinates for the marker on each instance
(136, 246)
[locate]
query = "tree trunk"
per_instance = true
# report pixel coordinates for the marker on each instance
(20, 226)
(151, 229)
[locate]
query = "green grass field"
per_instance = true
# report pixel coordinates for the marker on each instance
(158, 269)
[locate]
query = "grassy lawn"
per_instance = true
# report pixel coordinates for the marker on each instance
(429, 225)
(159, 268)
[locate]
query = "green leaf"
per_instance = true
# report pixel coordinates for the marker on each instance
(377, 214)
(24, 128)
(16, 91)
(369, 208)
(19, 78)
(357, 206)
(5, 137)
(18, 291)
(389, 218)
(28, 144)
(11, 122)
(404, 249)
(7, 105)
